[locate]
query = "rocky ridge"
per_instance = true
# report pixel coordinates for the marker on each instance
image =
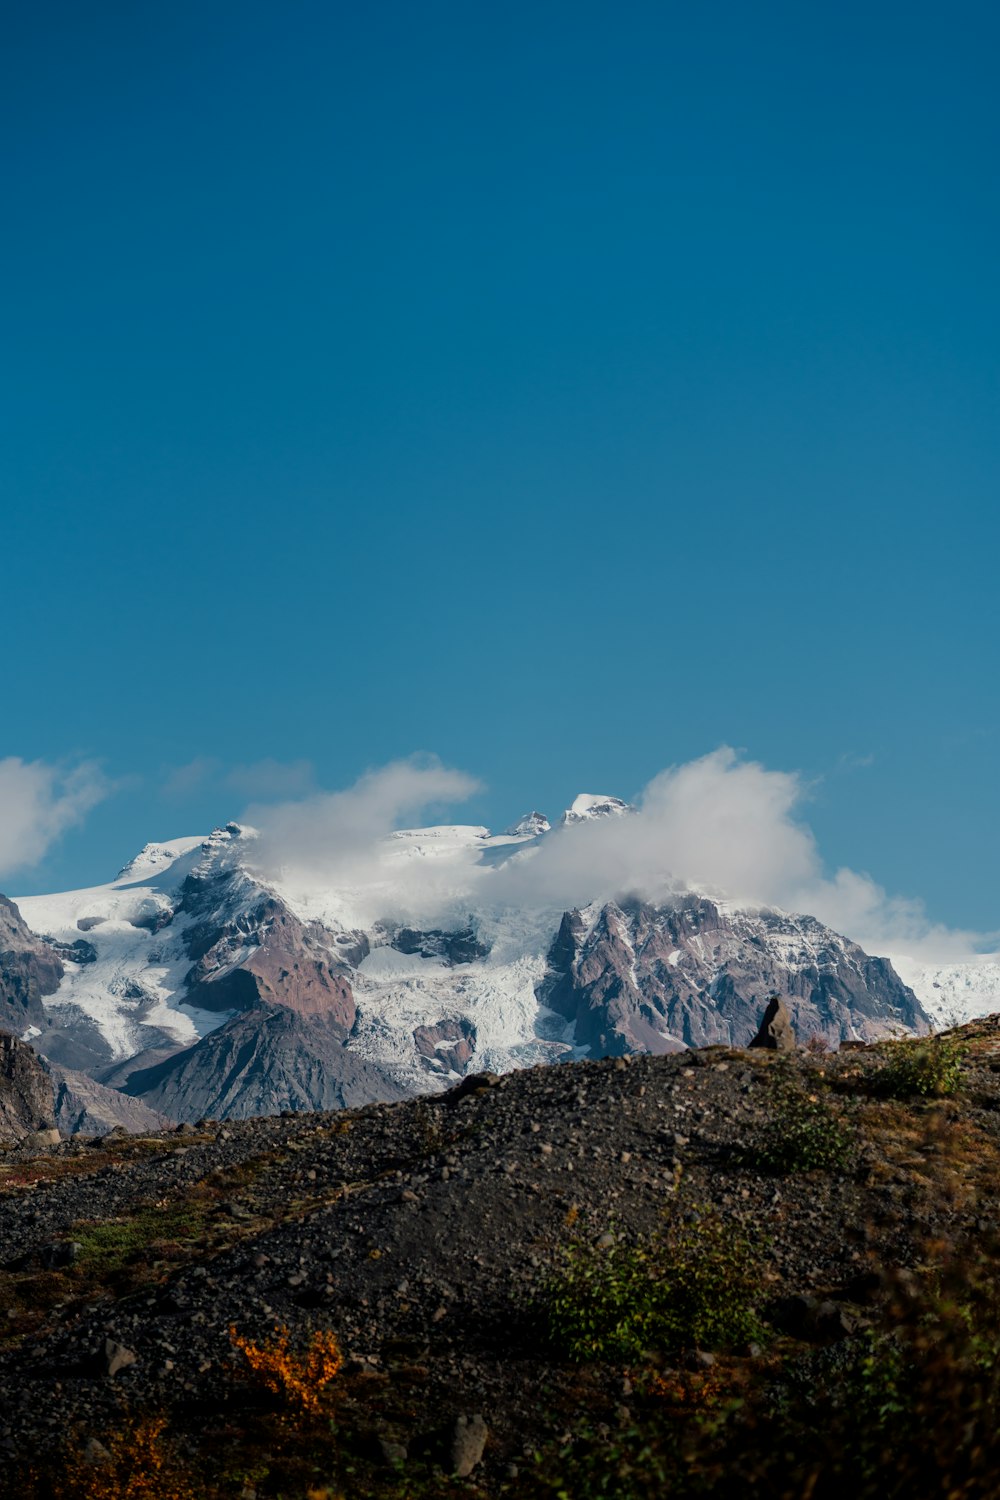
(424, 1234)
(636, 977)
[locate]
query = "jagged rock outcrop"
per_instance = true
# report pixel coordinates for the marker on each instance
(448, 1046)
(529, 827)
(36, 1094)
(261, 955)
(462, 947)
(25, 1091)
(29, 969)
(637, 977)
(262, 1062)
(588, 806)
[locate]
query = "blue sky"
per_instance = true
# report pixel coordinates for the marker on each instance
(565, 390)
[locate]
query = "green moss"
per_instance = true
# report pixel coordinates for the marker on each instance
(106, 1249)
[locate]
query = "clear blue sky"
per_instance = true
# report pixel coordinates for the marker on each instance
(565, 389)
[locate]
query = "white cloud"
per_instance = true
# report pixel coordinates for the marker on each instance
(338, 838)
(734, 829)
(730, 827)
(38, 802)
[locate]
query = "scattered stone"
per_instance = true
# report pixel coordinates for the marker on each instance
(467, 1445)
(113, 1357)
(59, 1254)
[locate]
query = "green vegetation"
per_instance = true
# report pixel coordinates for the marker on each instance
(802, 1135)
(690, 1286)
(929, 1068)
(908, 1413)
(106, 1249)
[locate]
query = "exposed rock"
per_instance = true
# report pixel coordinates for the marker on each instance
(468, 1444)
(85, 1107)
(113, 1357)
(25, 1091)
(462, 947)
(29, 969)
(693, 973)
(776, 1032)
(448, 1046)
(530, 826)
(266, 955)
(261, 1062)
(812, 1318)
(588, 806)
(59, 1255)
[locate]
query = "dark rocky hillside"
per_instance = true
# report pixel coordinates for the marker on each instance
(463, 1250)
(26, 1102)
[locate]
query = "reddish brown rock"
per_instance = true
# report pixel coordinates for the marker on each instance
(447, 1046)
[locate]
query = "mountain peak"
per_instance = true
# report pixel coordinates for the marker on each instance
(530, 826)
(590, 805)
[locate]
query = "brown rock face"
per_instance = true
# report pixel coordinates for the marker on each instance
(269, 958)
(447, 1046)
(776, 1033)
(25, 1091)
(29, 969)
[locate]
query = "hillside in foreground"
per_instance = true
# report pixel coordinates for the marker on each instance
(716, 1272)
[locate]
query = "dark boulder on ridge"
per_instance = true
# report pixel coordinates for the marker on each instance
(776, 1032)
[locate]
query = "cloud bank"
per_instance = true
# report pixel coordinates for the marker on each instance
(38, 802)
(729, 827)
(338, 839)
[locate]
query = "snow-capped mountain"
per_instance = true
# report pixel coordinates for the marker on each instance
(200, 985)
(630, 976)
(587, 806)
(954, 993)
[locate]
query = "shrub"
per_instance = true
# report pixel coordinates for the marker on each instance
(802, 1135)
(689, 1286)
(929, 1068)
(136, 1464)
(297, 1380)
(908, 1413)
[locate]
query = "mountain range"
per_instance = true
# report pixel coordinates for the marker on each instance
(193, 984)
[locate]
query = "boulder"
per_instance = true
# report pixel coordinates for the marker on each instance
(775, 1033)
(467, 1445)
